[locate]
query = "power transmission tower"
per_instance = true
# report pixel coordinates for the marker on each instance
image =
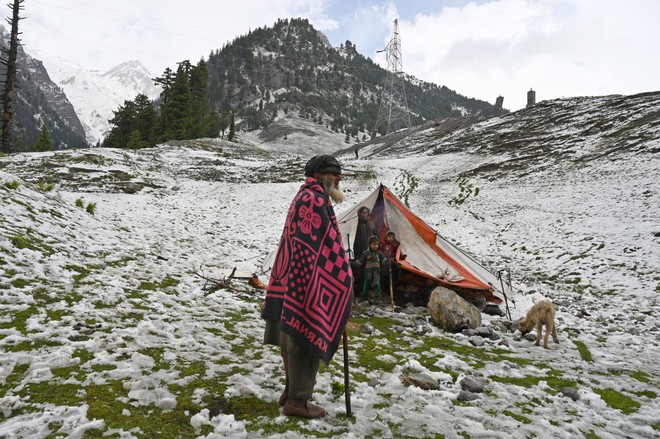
(393, 111)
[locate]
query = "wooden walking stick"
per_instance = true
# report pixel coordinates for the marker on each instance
(347, 384)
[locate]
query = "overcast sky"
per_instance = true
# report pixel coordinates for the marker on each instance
(481, 49)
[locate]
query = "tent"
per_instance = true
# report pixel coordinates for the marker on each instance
(430, 259)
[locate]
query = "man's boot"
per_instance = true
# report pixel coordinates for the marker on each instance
(303, 408)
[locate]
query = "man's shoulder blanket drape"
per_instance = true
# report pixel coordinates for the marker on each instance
(310, 288)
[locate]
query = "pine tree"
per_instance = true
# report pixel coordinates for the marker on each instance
(176, 114)
(45, 141)
(134, 141)
(124, 124)
(232, 127)
(166, 81)
(199, 83)
(212, 125)
(145, 120)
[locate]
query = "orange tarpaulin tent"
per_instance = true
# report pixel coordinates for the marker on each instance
(430, 259)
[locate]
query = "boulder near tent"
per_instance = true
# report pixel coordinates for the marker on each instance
(430, 259)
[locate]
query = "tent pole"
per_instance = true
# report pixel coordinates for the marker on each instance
(506, 299)
(350, 252)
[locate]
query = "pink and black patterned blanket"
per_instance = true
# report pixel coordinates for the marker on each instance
(310, 288)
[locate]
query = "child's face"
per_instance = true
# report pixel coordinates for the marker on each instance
(390, 238)
(374, 246)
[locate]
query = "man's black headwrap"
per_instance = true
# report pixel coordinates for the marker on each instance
(321, 164)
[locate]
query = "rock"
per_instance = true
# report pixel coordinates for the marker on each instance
(571, 392)
(368, 328)
(501, 326)
(493, 310)
(503, 342)
(451, 312)
(469, 332)
(466, 396)
(132, 188)
(476, 341)
(471, 384)
(484, 331)
(420, 380)
(530, 336)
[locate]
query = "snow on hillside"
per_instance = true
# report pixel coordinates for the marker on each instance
(106, 307)
(95, 95)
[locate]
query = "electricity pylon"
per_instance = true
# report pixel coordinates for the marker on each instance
(393, 110)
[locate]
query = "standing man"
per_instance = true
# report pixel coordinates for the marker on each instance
(309, 295)
(365, 230)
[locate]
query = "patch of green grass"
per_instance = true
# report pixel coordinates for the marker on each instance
(56, 314)
(517, 417)
(20, 319)
(583, 350)
(214, 331)
(120, 262)
(553, 378)
(167, 282)
(641, 376)
(147, 286)
(42, 296)
(45, 392)
(21, 283)
(83, 272)
(20, 241)
(618, 400)
(13, 185)
(84, 355)
(192, 368)
(80, 203)
(647, 393)
(591, 435)
(29, 345)
(14, 377)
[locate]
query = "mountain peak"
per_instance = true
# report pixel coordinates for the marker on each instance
(128, 66)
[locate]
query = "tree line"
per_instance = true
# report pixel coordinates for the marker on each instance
(181, 112)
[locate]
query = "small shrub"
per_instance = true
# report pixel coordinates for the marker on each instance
(45, 187)
(12, 184)
(91, 208)
(80, 203)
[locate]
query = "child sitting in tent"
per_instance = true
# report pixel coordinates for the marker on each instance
(372, 259)
(389, 249)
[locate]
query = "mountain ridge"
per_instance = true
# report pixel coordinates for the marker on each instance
(40, 101)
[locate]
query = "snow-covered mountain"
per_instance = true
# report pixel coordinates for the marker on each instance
(40, 102)
(95, 95)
